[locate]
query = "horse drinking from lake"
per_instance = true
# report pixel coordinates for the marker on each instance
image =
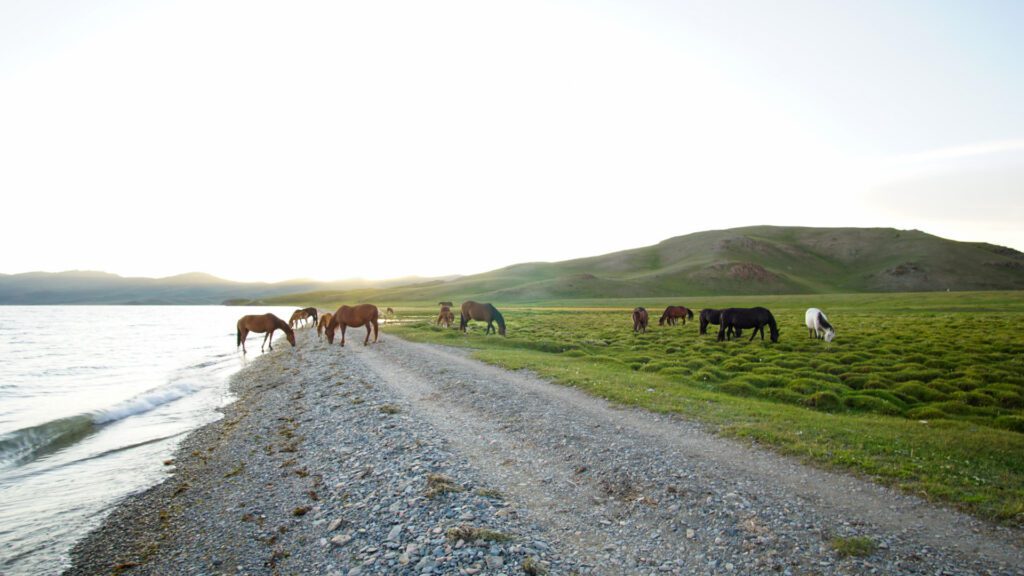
(485, 313)
(818, 326)
(673, 313)
(640, 319)
(261, 323)
(756, 318)
(361, 315)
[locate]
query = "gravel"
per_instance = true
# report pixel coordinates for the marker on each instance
(401, 458)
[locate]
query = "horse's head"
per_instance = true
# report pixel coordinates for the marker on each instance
(774, 332)
(830, 334)
(501, 330)
(291, 337)
(329, 331)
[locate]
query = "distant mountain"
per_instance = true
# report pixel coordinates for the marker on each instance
(88, 287)
(753, 260)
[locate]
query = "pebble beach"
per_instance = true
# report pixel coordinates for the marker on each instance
(401, 458)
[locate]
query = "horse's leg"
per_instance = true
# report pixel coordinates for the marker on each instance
(376, 330)
(721, 332)
(367, 339)
(343, 326)
(245, 334)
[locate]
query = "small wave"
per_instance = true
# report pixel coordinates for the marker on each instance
(36, 441)
(144, 402)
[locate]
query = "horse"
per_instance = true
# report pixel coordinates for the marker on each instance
(445, 317)
(484, 312)
(640, 319)
(673, 313)
(260, 323)
(311, 313)
(711, 316)
(818, 326)
(297, 317)
(325, 319)
(361, 315)
(756, 318)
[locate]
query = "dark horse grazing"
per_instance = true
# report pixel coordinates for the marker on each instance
(260, 323)
(640, 319)
(361, 315)
(756, 318)
(311, 313)
(673, 313)
(710, 316)
(483, 312)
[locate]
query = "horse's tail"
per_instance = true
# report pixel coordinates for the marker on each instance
(689, 314)
(238, 336)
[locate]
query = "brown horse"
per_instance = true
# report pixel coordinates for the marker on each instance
(361, 315)
(673, 313)
(261, 323)
(445, 317)
(483, 312)
(311, 313)
(325, 319)
(297, 317)
(640, 318)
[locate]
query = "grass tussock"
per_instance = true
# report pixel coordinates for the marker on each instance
(859, 546)
(438, 484)
(472, 534)
(923, 392)
(389, 409)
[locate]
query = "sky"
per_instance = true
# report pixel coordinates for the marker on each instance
(262, 141)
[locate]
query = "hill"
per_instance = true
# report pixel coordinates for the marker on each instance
(88, 287)
(752, 260)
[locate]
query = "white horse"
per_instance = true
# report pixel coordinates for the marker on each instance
(818, 326)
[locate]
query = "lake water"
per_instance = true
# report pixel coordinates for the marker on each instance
(93, 400)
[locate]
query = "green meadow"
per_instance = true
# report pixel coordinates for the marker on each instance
(924, 392)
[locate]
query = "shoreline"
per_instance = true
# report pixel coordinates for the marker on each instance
(290, 480)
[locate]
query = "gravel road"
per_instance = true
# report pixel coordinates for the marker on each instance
(403, 458)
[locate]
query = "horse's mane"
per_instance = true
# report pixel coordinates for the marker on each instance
(497, 316)
(824, 323)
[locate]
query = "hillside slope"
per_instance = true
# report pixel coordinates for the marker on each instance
(752, 260)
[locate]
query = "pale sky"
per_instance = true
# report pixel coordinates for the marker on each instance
(329, 140)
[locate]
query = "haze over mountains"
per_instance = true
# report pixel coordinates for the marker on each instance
(87, 287)
(753, 260)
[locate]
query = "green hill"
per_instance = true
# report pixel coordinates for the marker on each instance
(753, 260)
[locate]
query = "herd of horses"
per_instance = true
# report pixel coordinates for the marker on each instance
(730, 321)
(366, 315)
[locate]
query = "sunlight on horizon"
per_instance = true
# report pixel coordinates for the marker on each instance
(352, 140)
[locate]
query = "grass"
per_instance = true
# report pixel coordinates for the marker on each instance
(859, 546)
(924, 392)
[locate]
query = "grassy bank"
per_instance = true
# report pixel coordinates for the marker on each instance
(920, 391)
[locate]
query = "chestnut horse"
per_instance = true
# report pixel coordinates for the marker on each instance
(325, 319)
(297, 317)
(673, 313)
(261, 323)
(640, 319)
(445, 317)
(361, 315)
(483, 312)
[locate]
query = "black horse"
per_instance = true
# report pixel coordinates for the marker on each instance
(711, 316)
(756, 318)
